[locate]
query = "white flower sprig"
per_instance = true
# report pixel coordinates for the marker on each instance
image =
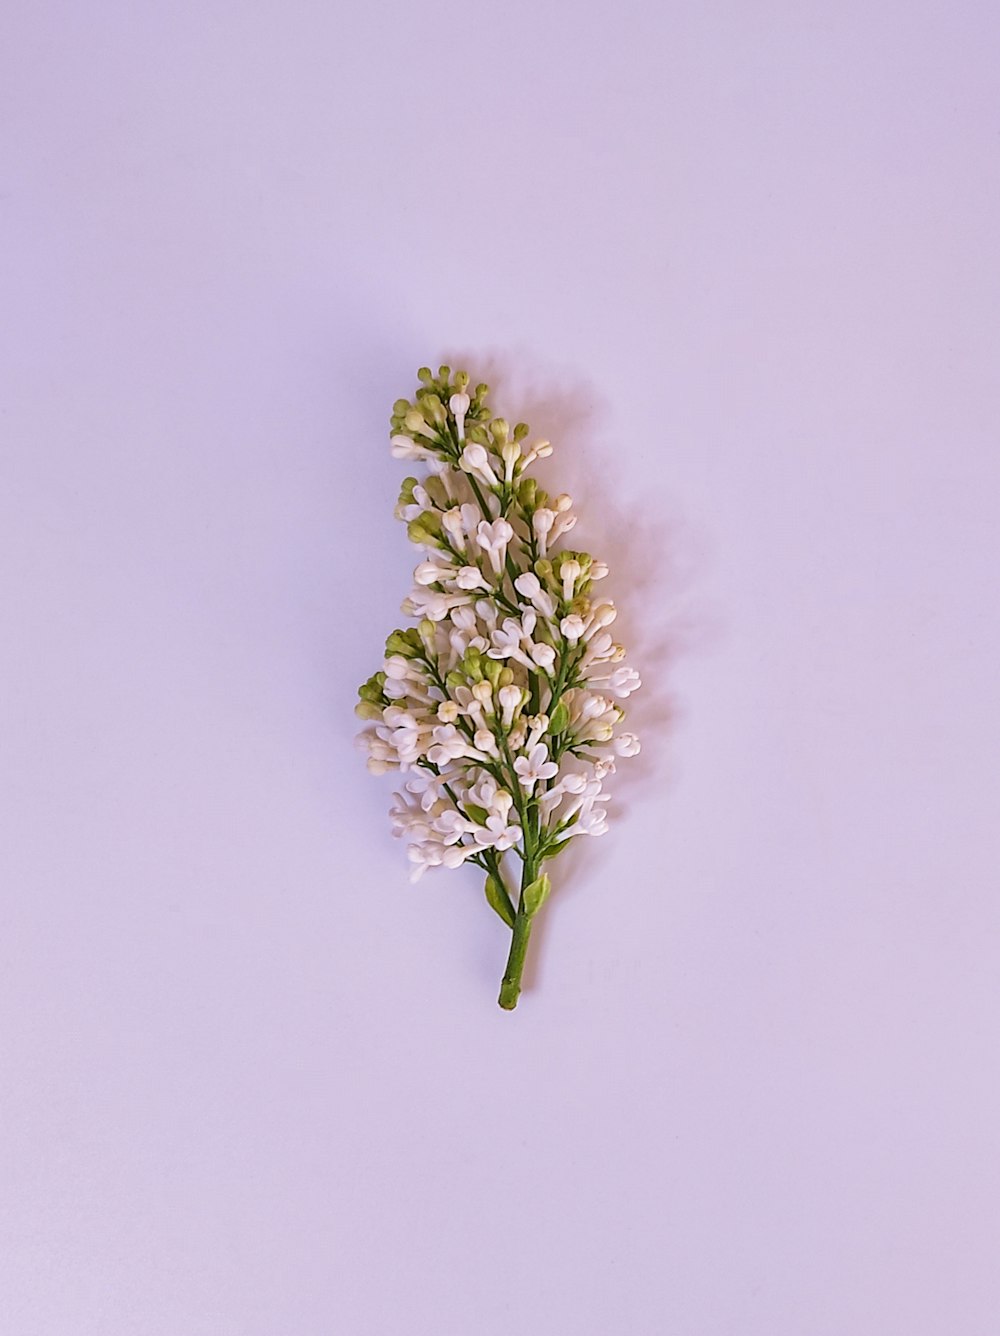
(502, 705)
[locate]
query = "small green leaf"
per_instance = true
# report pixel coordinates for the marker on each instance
(556, 848)
(476, 813)
(559, 718)
(497, 899)
(535, 895)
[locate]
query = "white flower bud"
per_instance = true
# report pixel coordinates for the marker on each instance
(544, 656)
(570, 573)
(402, 447)
(483, 693)
(471, 577)
(427, 572)
(510, 699)
(451, 522)
(474, 459)
(510, 453)
(485, 741)
(459, 405)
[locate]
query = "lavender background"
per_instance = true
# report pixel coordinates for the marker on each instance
(742, 262)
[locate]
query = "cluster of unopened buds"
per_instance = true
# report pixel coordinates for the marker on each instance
(502, 707)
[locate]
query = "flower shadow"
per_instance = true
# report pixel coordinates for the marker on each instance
(654, 555)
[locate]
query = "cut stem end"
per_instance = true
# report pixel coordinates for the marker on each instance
(510, 989)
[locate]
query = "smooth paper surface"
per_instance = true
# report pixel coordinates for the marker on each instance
(741, 263)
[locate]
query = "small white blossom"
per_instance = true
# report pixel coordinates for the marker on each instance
(622, 682)
(530, 587)
(627, 744)
(534, 767)
(499, 833)
(493, 538)
(449, 744)
(540, 450)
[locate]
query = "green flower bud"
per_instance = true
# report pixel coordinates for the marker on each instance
(372, 689)
(492, 668)
(500, 429)
(401, 407)
(425, 374)
(406, 643)
(437, 492)
(368, 710)
(433, 409)
(428, 634)
(444, 374)
(425, 529)
(454, 679)
(520, 431)
(461, 381)
(406, 492)
(414, 421)
(527, 490)
(506, 678)
(472, 665)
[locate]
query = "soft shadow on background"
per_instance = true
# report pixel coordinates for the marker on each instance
(653, 557)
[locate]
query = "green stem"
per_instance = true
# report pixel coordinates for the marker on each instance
(510, 988)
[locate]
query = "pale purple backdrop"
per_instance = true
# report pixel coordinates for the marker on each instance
(742, 262)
